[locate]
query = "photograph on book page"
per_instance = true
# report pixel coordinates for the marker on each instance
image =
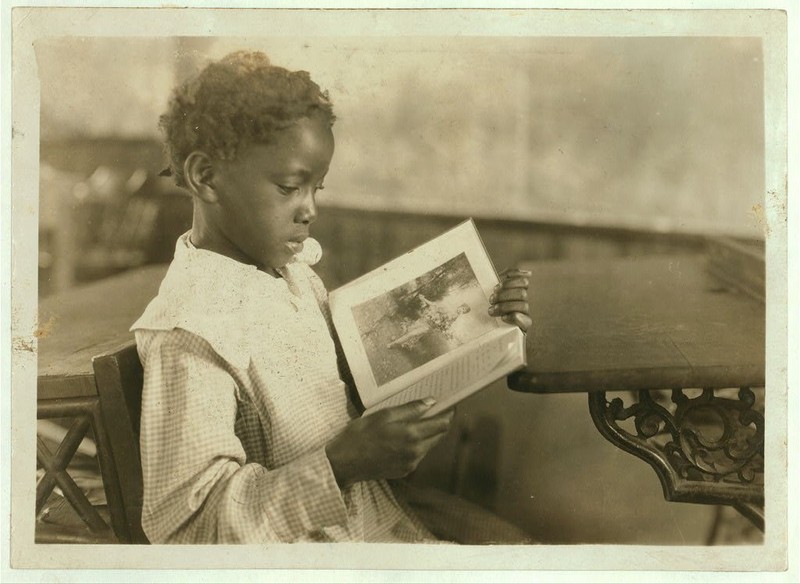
(422, 319)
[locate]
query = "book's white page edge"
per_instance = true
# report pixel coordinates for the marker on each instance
(463, 238)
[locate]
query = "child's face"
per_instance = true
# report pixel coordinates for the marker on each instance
(267, 195)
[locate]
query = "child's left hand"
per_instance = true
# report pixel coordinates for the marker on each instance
(510, 298)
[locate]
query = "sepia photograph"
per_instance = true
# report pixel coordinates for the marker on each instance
(190, 185)
(423, 319)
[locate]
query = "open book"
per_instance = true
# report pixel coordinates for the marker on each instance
(419, 325)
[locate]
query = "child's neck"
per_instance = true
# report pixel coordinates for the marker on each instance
(200, 239)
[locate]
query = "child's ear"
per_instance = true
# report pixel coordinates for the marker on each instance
(198, 171)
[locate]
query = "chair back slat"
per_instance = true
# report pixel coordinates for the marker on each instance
(119, 378)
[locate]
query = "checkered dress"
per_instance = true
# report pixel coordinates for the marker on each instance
(242, 390)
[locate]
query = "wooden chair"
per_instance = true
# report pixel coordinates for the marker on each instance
(118, 375)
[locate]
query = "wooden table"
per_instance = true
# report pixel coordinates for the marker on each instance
(75, 326)
(642, 325)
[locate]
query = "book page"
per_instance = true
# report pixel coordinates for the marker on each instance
(487, 361)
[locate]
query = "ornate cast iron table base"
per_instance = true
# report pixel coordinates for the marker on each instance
(705, 447)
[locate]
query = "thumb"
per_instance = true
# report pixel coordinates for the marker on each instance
(412, 409)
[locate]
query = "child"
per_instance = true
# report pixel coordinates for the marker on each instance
(248, 434)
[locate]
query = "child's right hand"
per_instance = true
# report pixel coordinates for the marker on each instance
(388, 444)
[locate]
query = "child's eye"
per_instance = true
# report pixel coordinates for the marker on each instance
(287, 190)
(319, 188)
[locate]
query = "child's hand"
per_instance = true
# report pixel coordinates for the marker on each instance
(388, 444)
(510, 298)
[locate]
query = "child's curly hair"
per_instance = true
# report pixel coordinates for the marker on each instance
(239, 100)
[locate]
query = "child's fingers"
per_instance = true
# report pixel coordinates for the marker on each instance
(430, 442)
(510, 298)
(522, 320)
(514, 272)
(514, 277)
(426, 427)
(509, 295)
(408, 411)
(509, 307)
(516, 282)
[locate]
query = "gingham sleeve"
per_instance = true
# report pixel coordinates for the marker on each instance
(197, 484)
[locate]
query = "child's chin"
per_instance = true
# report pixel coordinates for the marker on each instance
(279, 260)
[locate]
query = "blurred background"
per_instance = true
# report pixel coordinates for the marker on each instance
(569, 148)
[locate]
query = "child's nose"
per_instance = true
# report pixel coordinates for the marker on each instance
(307, 211)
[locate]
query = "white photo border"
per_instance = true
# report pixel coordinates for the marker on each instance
(776, 22)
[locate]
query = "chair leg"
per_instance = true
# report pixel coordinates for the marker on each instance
(55, 466)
